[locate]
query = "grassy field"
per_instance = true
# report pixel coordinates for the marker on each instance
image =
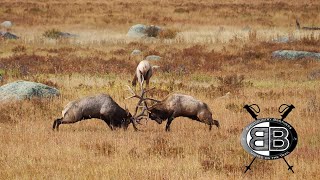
(221, 47)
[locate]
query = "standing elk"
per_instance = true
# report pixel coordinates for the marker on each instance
(143, 73)
(179, 105)
(102, 107)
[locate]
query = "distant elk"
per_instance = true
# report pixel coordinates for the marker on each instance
(306, 28)
(143, 73)
(179, 105)
(102, 107)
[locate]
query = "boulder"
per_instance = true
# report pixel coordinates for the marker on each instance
(136, 52)
(7, 35)
(153, 58)
(140, 30)
(6, 24)
(21, 90)
(291, 54)
(137, 31)
(67, 35)
(282, 39)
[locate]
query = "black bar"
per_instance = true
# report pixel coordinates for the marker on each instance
(248, 167)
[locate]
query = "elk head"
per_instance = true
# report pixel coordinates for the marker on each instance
(136, 118)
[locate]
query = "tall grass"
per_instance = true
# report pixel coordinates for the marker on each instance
(221, 47)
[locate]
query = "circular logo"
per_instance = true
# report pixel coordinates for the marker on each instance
(269, 138)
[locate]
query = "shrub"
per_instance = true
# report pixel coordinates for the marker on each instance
(168, 33)
(152, 31)
(18, 49)
(52, 34)
(181, 10)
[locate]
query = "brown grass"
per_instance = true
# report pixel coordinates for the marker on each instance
(212, 53)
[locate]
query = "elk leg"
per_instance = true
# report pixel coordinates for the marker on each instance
(168, 123)
(56, 124)
(134, 81)
(147, 83)
(108, 123)
(64, 122)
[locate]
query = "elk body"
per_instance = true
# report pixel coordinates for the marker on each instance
(101, 106)
(177, 105)
(143, 73)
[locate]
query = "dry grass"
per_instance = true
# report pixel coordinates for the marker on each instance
(219, 47)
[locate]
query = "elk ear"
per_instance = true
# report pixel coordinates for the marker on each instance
(127, 111)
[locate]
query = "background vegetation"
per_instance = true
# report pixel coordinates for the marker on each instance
(220, 47)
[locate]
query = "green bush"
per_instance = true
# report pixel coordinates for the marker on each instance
(168, 33)
(52, 34)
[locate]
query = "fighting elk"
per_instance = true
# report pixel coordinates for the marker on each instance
(102, 107)
(178, 105)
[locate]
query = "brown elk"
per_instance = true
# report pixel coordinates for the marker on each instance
(102, 107)
(179, 105)
(143, 73)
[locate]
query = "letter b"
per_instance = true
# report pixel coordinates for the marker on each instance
(278, 139)
(260, 139)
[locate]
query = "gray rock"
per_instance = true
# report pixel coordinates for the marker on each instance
(140, 30)
(282, 39)
(67, 35)
(7, 35)
(290, 54)
(21, 90)
(6, 24)
(137, 31)
(153, 58)
(136, 52)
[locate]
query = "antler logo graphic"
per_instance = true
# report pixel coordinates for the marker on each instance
(269, 138)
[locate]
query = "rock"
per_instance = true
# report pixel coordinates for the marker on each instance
(6, 24)
(315, 74)
(136, 52)
(140, 30)
(246, 28)
(7, 35)
(290, 54)
(282, 39)
(153, 58)
(67, 35)
(21, 90)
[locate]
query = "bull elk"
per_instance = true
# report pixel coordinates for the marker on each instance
(102, 107)
(178, 105)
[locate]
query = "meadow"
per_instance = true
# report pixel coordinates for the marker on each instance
(220, 47)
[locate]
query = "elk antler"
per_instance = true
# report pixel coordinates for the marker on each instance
(142, 99)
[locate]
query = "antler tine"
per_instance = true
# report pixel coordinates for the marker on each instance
(132, 92)
(141, 115)
(151, 99)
